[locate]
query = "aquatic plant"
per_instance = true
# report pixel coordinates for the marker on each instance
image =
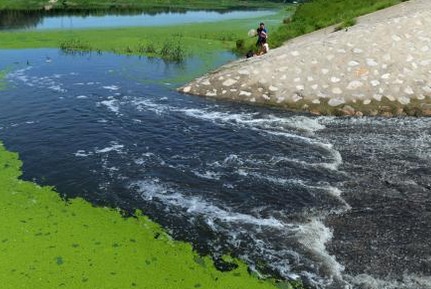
(173, 49)
(2, 79)
(47, 242)
(75, 46)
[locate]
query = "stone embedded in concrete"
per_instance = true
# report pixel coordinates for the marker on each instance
(229, 82)
(337, 90)
(336, 101)
(355, 84)
(374, 60)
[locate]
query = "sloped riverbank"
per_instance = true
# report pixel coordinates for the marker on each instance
(380, 66)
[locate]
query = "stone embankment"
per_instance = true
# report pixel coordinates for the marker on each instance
(380, 66)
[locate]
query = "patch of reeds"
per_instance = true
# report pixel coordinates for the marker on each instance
(171, 50)
(74, 46)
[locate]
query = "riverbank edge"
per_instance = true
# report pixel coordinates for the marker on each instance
(266, 81)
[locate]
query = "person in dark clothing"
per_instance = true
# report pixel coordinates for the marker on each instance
(261, 34)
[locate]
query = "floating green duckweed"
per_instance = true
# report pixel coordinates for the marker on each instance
(46, 242)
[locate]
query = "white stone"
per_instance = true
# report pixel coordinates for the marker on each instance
(377, 97)
(409, 58)
(297, 79)
(396, 38)
(414, 65)
(224, 92)
(335, 79)
(403, 100)
(314, 86)
(246, 93)
(206, 82)
(222, 78)
(252, 99)
(283, 77)
(409, 90)
(386, 57)
(229, 82)
(375, 82)
(353, 63)
(341, 50)
(390, 97)
(315, 101)
(325, 70)
(357, 50)
(330, 57)
(371, 62)
(296, 97)
(420, 96)
(425, 48)
(264, 96)
(187, 89)
(310, 78)
(386, 76)
(300, 87)
(295, 53)
(233, 90)
(273, 88)
(337, 90)
(211, 93)
(336, 101)
(426, 88)
(355, 84)
(280, 99)
(244, 72)
(366, 101)
(425, 62)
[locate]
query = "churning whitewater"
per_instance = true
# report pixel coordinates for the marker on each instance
(337, 202)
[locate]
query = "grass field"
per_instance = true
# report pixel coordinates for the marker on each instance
(190, 39)
(317, 14)
(105, 4)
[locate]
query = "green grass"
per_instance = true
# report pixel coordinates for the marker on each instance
(125, 4)
(183, 40)
(317, 14)
(46, 242)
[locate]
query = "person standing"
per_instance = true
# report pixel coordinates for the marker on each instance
(261, 34)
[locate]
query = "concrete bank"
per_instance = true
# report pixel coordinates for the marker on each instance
(380, 66)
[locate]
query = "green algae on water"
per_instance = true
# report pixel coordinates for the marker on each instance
(46, 242)
(3, 74)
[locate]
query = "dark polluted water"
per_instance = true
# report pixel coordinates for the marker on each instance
(338, 202)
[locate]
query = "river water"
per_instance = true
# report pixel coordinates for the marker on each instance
(338, 202)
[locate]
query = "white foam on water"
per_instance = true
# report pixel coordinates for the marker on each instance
(148, 105)
(111, 87)
(210, 175)
(113, 147)
(250, 119)
(112, 104)
(82, 153)
(81, 97)
(406, 281)
(152, 189)
(314, 235)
